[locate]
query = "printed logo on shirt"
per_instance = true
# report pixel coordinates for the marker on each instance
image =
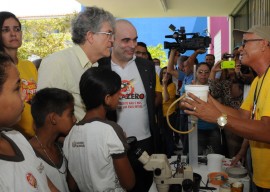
(128, 92)
(78, 144)
(40, 168)
(29, 88)
(31, 180)
(127, 88)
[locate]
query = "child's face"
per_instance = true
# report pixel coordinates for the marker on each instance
(11, 99)
(66, 120)
(114, 100)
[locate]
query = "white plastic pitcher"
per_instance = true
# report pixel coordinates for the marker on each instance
(200, 91)
(214, 162)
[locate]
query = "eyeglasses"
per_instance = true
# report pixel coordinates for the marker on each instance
(8, 29)
(109, 34)
(247, 40)
(203, 72)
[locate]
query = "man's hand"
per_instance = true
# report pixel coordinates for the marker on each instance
(217, 66)
(236, 160)
(206, 111)
(165, 79)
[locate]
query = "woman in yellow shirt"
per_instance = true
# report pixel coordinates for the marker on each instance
(10, 41)
(168, 97)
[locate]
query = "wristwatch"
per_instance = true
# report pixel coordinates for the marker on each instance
(222, 120)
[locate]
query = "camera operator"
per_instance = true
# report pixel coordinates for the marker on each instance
(187, 76)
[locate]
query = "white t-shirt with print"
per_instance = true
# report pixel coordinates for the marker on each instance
(24, 172)
(89, 149)
(132, 112)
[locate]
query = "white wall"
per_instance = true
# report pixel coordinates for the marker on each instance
(24, 8)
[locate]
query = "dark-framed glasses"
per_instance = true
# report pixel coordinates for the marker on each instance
(248, 40)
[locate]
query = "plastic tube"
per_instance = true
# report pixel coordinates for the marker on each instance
(168, 120)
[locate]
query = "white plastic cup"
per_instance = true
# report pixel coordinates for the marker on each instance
(201, 91)
(214, 162)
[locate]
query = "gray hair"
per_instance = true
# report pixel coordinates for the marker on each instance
(90, 19)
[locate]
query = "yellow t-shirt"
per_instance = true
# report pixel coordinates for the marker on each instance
(28, 75)
(158, 85)
(260, 152)
(166, 104)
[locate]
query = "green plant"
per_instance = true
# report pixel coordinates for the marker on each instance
(158, 52)
(42, 37)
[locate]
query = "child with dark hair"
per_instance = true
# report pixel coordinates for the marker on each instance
(53, 113)
(20, 169)
(96, 148)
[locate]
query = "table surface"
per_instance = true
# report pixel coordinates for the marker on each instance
(203, 171)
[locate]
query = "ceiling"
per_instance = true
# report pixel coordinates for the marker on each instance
(166, 8)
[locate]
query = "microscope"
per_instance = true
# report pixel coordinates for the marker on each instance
(164, 177)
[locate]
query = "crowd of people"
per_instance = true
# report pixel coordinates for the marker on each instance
(66, 126)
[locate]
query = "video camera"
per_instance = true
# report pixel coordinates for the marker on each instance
(183, 43)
